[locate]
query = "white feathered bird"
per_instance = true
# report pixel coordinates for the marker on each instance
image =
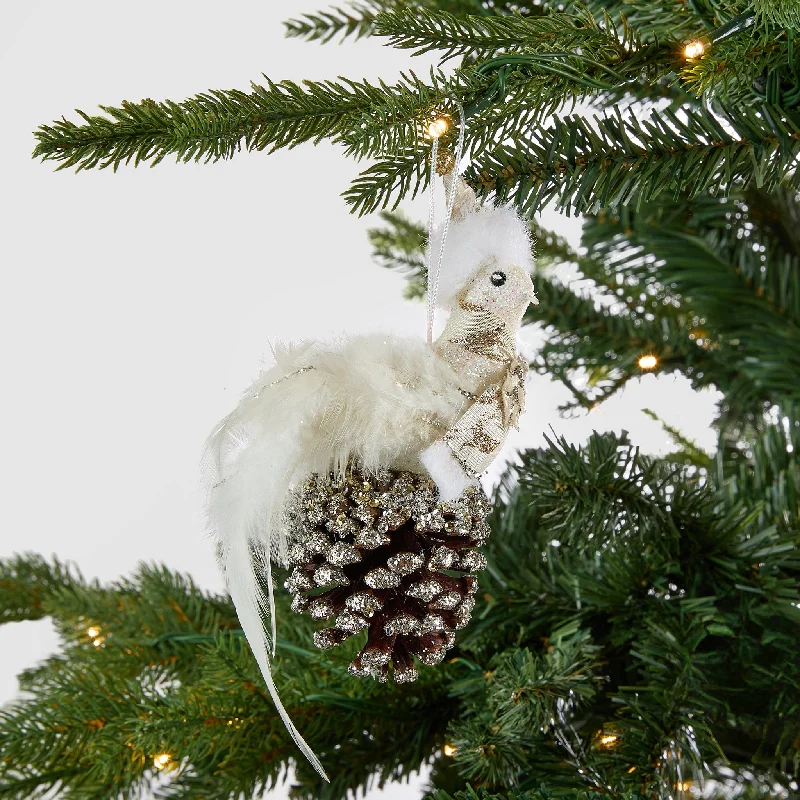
(380, 400)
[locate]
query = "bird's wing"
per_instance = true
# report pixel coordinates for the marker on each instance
(377, 398)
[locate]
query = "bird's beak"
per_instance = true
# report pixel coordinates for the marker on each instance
(531, 294)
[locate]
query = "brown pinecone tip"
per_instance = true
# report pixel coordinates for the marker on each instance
(377, 551)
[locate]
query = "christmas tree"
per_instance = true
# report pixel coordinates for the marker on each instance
(635, 633)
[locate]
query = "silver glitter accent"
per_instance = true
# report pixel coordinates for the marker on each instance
(431, 656)
(317, 542)
(442, 558)
(480, 531)
(408, 675)
(363, 603)
(336, 506)
(382, 476)
(405, 563)
(402, 624)
(297, 554)
(342, 553)
(472, 560)
(381, 578)
(472, 584)
(395, 519)
(424, 590)
(327, 638)
(369, 538)
(382, 526)
(463, 613)
(446, 601)
(327, 575)
(461, 620)
(350, 623)
(430, 521)
(364, 513)
(359, 670)
(451, 639)
(374, 659)
(467, 604)
(299, 603)
(342, 525)
(299, 581)
(433, 622)
(320, 608)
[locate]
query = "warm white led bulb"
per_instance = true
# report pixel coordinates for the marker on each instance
(438, 128)
(648, 362)
(694, 49)
(161, 760)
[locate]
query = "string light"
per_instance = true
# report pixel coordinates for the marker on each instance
(98, 641)
(648, 362)
(606, 738)
(694, 49)
(93, 632)
(161, 761)
(450, 749)
(438, 127)
(683, 786)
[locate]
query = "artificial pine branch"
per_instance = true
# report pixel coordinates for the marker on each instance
(618, 161)
(28, 581)
(770, 473)
(481, 37)
(667, 19)
(736, 69)
(785, 13)
(357, 20)
(716, 255)
(215, 125)
(400, 245)
(354, 22)
(624, 567)
(689, 452)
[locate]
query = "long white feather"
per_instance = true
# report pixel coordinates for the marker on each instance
(376, 398)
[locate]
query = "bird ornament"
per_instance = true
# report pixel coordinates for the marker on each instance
(434, 414)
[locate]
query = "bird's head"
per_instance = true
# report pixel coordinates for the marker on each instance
(487, 259)
(505, 290)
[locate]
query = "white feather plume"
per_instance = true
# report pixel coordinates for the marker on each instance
(489, 234)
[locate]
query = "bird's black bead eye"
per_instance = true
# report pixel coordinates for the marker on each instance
(498, 278)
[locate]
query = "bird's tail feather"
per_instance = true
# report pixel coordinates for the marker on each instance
(251, 606)
(251, 462)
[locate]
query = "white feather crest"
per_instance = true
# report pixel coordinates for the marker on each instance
(375, 397)
(491, 233)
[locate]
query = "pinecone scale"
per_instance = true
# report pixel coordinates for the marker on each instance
(380, 552)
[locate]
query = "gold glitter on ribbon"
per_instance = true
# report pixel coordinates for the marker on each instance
(480, 432)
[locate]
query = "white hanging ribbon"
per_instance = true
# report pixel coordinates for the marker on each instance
(433, 275)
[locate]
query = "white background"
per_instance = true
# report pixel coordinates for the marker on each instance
(137, 305)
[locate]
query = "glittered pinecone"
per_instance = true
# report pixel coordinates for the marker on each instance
(380, 552)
